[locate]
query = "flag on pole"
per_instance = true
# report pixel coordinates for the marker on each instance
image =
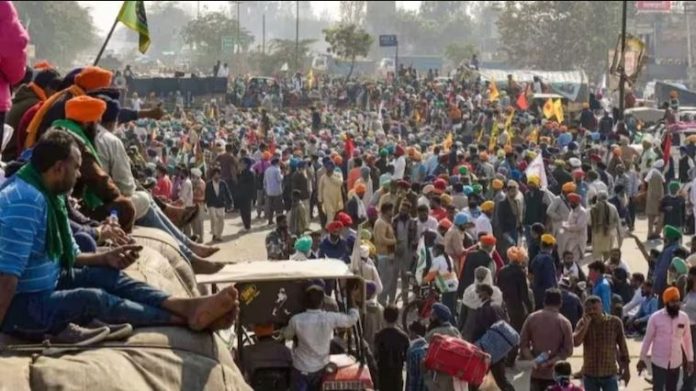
(493, 93)
(548, 109)
(667, 146)
(522, 102)
(536, 167)
(132, 15)
(558, 110)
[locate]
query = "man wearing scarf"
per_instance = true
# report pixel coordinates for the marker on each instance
(508, 217)
(100, 195)
(44, 85)
(574, 228)
(604, 221)
(654, 194)
(42, 273)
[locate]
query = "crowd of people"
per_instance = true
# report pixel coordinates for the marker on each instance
(411, 181)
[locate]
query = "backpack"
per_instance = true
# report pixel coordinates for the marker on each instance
(455, 357)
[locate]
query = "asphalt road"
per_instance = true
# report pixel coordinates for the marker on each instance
(239, 245)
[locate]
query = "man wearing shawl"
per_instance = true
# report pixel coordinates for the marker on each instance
(604, 221)
(655, 192)
(43, 275)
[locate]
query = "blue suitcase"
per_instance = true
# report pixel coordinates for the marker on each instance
(499, 340)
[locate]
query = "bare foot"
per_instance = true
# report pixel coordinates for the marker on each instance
(214, 307)
(205, 266)
(201, 250)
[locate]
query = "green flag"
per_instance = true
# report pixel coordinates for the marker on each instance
(132, 14)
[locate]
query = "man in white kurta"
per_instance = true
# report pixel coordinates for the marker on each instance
(574, 230)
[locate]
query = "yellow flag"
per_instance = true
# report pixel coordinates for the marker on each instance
(548, 109)
(508, 121)
(310, 79)
(132, 15)
(557, 110)
(493, 93)
(494, 136)
(447, 144)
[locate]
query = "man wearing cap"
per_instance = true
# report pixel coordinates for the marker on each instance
(673, 206)
(100, 195)
(671, 243)
(574, 229)
(669, 335)
(604, 224)
(314, 330)
(654, 194)
(543, 269)
(45, 84)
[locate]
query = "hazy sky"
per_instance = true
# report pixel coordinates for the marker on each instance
(104, 12)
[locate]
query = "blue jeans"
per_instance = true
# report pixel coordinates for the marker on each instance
(609, 383)
(92, 293)
(155, 218)
(85, 242)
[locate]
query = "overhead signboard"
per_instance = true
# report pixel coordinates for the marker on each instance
(654, 6)
(388, 40)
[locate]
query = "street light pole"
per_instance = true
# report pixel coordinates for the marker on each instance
(622, 62)
(297, 36)
(239, 22)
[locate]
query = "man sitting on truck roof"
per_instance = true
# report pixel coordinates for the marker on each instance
(48, 287)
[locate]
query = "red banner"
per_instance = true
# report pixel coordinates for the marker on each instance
(654, 6)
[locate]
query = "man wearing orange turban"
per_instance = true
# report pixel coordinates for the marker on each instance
(668, 340)
(573, 236)
(98, 192)
(79, 82)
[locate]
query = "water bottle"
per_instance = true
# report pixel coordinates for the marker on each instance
(542, 358)
(113, 217)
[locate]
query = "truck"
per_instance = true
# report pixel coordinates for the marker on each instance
(325, 64)
(421, 63)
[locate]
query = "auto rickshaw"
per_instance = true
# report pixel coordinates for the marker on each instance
(271, 292)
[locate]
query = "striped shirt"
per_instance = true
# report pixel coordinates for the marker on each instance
(23, 221)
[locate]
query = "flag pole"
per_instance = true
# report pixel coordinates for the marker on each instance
(108, 37)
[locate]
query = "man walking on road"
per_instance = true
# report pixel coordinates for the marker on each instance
(669, 336)
(273, 187)
(602, 338)
(385, 243)
(546, 331)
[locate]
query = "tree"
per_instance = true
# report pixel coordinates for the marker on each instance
(207, 33)
(61, 31)
(352, 12)
(560, 35)
(165, 21)
(282, 51)
(348, 41)
(458, 52)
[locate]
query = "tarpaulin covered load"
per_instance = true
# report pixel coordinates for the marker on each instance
(573, 85)
(153, 358)
(165, 85)
(662, 91)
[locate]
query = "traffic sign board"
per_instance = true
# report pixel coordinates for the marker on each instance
(388, 40)
(228, 43)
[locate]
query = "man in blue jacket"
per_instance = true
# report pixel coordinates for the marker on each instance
(672, 236)
(600, 285)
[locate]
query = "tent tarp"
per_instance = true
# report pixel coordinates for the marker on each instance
(571, 84)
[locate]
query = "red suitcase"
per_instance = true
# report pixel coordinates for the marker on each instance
(458, 358)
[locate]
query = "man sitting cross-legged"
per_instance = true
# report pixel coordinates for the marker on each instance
(48, 287)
